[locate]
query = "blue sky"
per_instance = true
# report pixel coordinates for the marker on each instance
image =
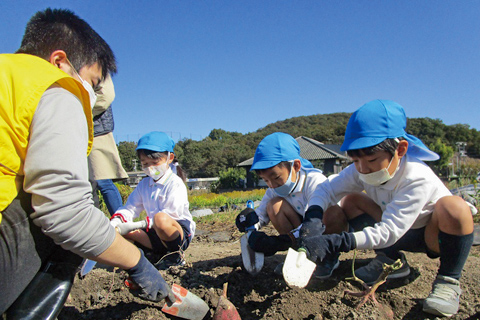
(187, 67)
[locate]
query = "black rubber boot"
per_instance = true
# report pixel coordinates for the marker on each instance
(44, 297)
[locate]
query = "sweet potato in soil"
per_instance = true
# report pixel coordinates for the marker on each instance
(214, 258)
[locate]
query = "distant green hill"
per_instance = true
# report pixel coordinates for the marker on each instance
(223, 149)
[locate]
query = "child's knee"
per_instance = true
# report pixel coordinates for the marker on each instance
(333, 215)
(453, 206)
(453, 210)
(274, 204)
(277, 204)
(351, 201)
(161, 219)
(355, 204)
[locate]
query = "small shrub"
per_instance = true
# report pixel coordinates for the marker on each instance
(221, 217)
(125, 191)
(228, 179)
(215, 200)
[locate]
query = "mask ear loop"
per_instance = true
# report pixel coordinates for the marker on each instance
(168, 158)
(76, 72)
(297, 174)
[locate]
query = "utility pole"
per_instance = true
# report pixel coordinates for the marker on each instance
(462, 153)
(134, 164)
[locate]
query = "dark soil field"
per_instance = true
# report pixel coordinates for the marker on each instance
(214, 258)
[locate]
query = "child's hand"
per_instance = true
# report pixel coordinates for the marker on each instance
(269, 245)
(116, 221)
(124, 228)
(320, 245)
(247, 218)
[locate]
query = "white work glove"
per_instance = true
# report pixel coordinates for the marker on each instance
(116, 221)
(127, 227)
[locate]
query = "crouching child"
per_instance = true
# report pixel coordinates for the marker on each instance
(163, 196)
(291, 181)
(392, 201)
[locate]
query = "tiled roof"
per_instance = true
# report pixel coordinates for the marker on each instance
(311, 149)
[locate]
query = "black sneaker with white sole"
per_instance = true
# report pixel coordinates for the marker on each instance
(170, 260)
(372, 271)
(325, 268)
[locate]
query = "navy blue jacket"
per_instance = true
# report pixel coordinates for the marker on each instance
(103, 123)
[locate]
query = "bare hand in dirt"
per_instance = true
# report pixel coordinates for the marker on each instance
(151, 285)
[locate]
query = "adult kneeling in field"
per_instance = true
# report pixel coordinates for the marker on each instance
(48, 221)
(404, 206)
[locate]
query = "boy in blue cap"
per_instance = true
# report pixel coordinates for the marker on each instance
(163, 195)
(404, 206)
(291, 181)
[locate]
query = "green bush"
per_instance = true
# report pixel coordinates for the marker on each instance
(228, 179)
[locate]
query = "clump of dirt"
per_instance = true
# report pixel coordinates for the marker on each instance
(214, 258)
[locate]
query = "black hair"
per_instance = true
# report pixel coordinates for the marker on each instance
(284, 164)
(389, 145)
(156, 155)
(59, 29)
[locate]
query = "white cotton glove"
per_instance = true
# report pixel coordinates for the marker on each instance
(116, 221)
(126, 227)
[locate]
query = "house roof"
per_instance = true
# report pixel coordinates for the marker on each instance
(311, 149)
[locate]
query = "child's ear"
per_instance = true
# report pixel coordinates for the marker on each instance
(402, 148)
(297, 164)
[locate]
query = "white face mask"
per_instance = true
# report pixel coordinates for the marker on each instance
(156, 172)
(378, 177)
(91, 93)
(288, 186)
(87, 86)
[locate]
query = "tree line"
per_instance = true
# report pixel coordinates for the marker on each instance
(224, 149)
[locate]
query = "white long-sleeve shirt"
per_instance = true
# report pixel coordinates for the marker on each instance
(168, 195)
(407, 200)
(300, 197)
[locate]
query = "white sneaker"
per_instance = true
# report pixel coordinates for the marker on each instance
(444, 299)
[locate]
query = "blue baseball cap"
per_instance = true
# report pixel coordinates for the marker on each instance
(378, 120)
(156, 141)
(275, 148)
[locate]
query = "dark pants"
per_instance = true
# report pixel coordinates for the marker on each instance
(159, 247)
(24, 250)
(412, 241)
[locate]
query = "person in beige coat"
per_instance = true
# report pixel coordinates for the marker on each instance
(104, 160)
